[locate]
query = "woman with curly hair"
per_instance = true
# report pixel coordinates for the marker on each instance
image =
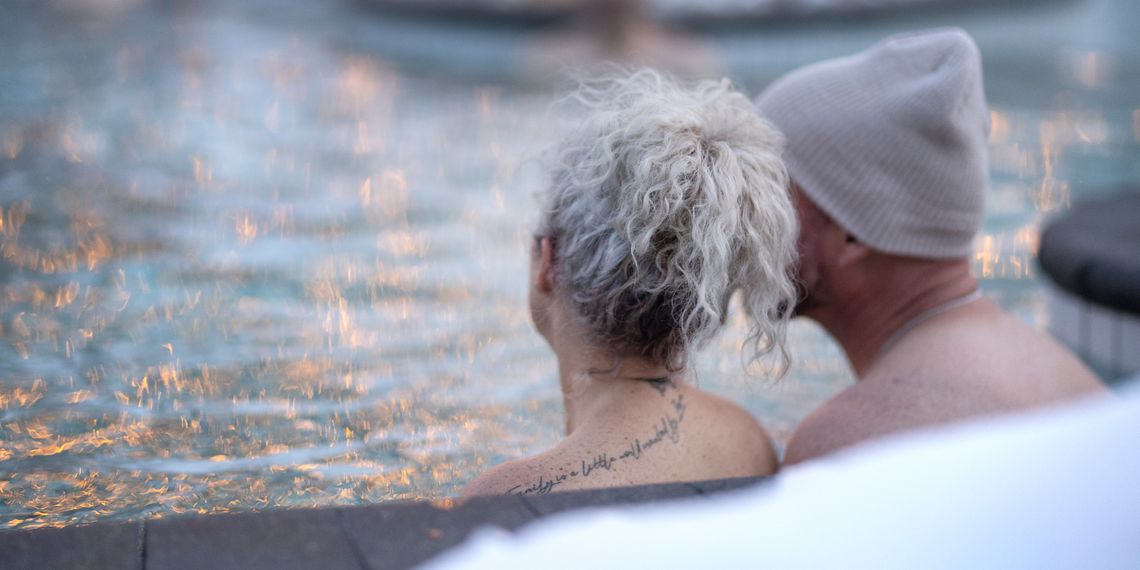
(663, 201)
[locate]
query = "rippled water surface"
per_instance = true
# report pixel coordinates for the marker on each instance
(250, 259)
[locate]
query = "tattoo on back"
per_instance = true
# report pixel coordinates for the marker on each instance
(667, 428)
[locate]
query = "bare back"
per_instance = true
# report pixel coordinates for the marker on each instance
(659, 434)
(977, 361)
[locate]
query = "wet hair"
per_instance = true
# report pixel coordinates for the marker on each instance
(663, 200)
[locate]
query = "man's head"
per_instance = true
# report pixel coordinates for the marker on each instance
(889, 145)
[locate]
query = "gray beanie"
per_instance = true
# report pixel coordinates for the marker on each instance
(891, 142)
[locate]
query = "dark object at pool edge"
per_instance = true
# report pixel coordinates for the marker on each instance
(1094, 251)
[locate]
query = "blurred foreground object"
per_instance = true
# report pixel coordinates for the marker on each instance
(1093, 254)
(1049, 489)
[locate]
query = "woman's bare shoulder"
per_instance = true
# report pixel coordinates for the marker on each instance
(538, 474)
(504, 479)
(732, 428)
(717, 438)
(731, 415)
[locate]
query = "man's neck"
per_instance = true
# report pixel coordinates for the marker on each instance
(868, 320)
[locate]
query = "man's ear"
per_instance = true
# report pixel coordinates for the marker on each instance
(544, 276)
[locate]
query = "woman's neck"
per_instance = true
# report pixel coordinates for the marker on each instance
(592, 379)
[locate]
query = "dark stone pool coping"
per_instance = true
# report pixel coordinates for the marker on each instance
(397, 534)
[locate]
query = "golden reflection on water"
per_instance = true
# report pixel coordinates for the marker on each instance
(1092, 69)
(13, 142)
(1005, 256)
(1052, 192)
(999, 128)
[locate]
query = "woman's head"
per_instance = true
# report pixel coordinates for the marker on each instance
(662, 201)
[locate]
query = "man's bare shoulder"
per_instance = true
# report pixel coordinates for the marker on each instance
(993, 352)
(859, 413)
(973, 365)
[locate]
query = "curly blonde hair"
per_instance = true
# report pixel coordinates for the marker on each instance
(663, 200)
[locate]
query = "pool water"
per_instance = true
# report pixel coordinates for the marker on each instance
(249, 258)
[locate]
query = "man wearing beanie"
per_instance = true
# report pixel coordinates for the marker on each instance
(886, 150)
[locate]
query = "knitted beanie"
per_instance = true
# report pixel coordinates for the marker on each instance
(891, 142)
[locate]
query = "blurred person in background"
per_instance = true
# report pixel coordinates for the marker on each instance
(622, 31)
(886, 151)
